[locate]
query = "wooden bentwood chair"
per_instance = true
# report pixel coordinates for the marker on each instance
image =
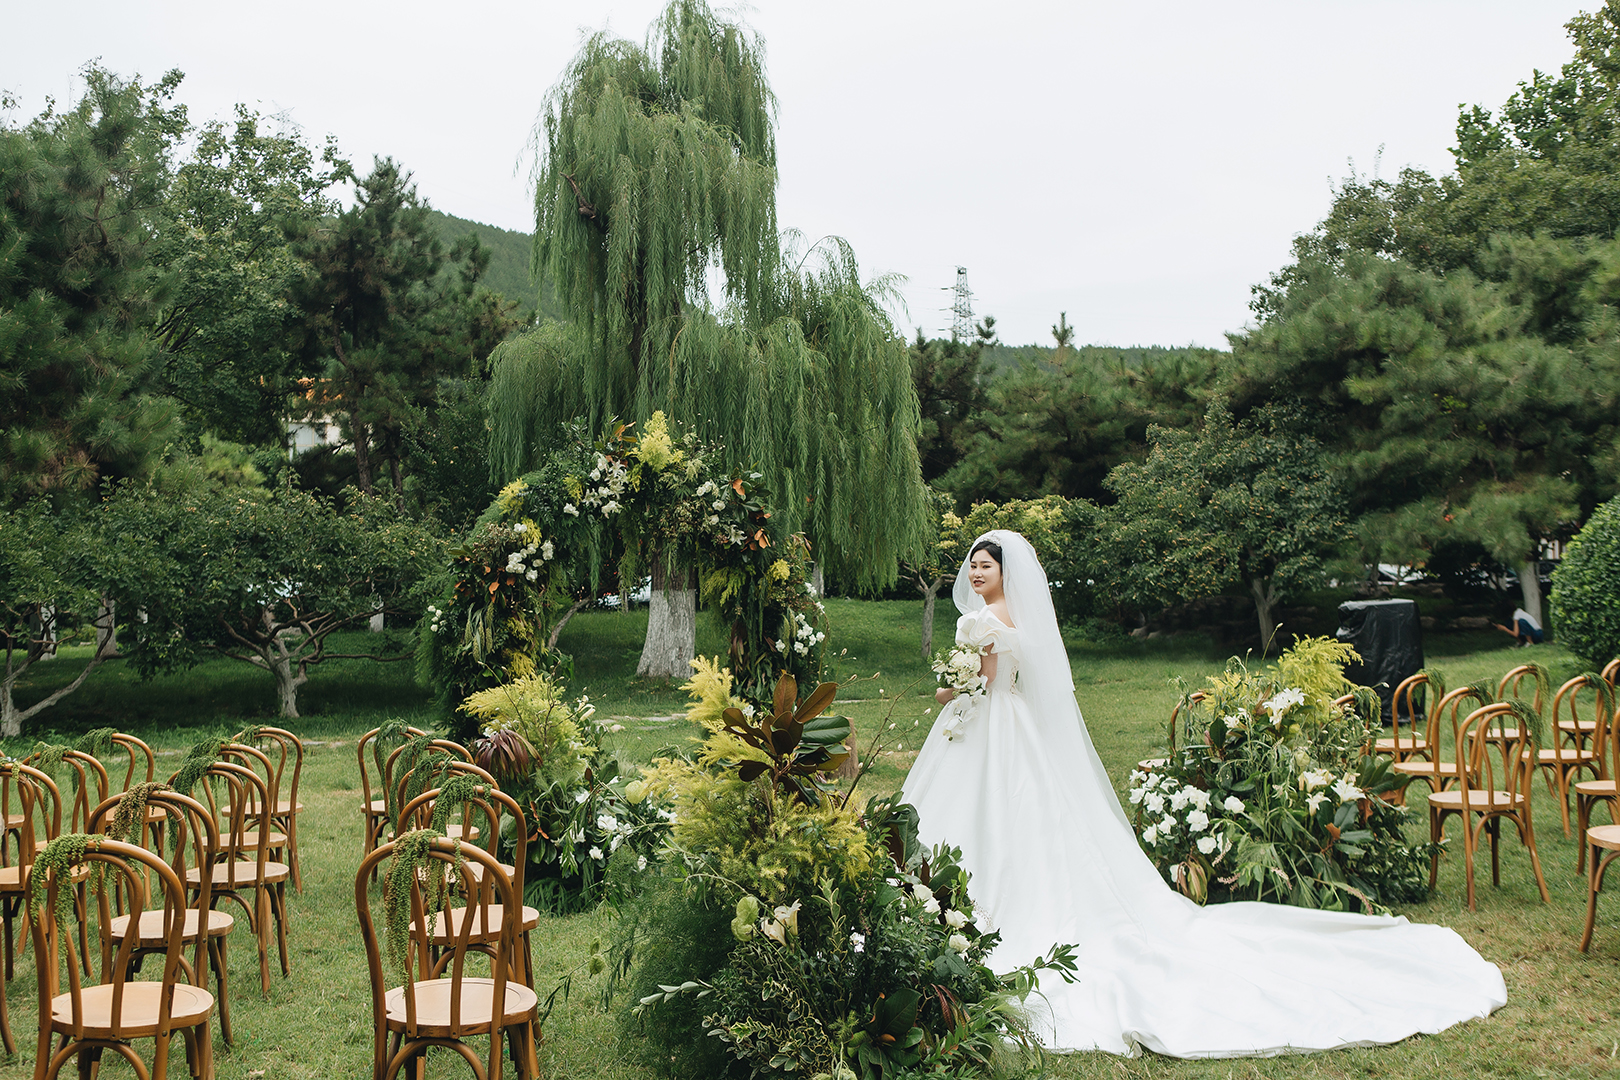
(92, 1018)
(1493, 784)
(442, 1003)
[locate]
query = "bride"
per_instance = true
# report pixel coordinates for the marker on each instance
(1021, 791)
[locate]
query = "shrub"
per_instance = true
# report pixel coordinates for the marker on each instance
(1269, 795)
(1586, 589)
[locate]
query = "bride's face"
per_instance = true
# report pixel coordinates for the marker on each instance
(984, 574)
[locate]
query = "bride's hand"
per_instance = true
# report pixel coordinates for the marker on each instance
(944, 695)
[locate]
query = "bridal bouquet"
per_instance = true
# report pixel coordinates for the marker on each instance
(958, 669)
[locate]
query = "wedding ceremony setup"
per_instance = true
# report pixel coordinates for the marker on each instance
(635, 644)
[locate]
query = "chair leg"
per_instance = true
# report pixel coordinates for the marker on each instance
(216, 960)
(1583, 816)
(5, 1025)
(1470, 846)
(1594, 884)
(1436, 833)
(261, 931)
(292, 852)
(1528, 831)
(278, 904)
(1494, 828)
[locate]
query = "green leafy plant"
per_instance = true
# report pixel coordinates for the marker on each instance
(795, 740)
(1270, 794)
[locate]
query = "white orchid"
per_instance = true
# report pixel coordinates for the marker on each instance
(1314, 801)
(1285, 700)
(1346, 790)
(596, 853)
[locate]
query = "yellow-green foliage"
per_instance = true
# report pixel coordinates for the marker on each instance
(656, 449)
(534, 707)
(710, 687)
(1316, 666)
(769, 846)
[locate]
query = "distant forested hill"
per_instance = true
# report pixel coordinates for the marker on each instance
(1113, 358)
(508, 271)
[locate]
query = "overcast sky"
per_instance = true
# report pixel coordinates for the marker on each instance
(1136, 164)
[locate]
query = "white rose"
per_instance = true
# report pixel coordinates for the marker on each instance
(1150, 835)
(607, 823)
(958, 942)
(922, 892)
(1197, 820)
(955, 919)
(1207, 844)
(931, 906)
(1233, 804)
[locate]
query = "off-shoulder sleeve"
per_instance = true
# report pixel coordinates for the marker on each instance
(982, 628)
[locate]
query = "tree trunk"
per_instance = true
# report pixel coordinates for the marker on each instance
(929, 594)
(362, 455)
(556, 631)
(671, 626)
(1530, 583)
(287, 681)
(106, 624)
(1265, 597)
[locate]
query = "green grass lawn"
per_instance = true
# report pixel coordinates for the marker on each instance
(1562, 1018)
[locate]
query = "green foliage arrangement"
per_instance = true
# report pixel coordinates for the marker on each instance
(1269, 794)
(1586, 589)
(552, 756)
(654, 501)
(853, 951)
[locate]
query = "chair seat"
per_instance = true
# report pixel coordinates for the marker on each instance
(283, 807)
(1426, 768)
(140, 1010)
(453, 829)
(1584, 727)
(272, 840)
(1390, 745)
(1149, 764)
(11, 877)
(375, 806)
(497, 919)
(1565, 756)
(1596, 789)
(432, 997)
(1477, 800)
(1604, 836)
(273, 872)
(475, 871)
(219, 924)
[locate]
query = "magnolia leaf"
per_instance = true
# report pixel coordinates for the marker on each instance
(783, 740)
(751, 770)
(787, 691)
(833, 763)
(816, 704)
(825, 730)
(735, 716)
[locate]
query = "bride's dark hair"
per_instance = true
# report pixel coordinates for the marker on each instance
(988, 545)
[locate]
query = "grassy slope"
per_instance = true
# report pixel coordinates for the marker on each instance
(509, 254)
(1561, 1020)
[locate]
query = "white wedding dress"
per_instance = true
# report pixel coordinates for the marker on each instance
(1053, 860)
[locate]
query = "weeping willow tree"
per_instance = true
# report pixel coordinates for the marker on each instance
(657, 167)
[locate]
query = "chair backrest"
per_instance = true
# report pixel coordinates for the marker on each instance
(193, 832)
(142, 762)
(1611, 671)
(490, 887)
(1404, 711)
(244, 835)
(482, 807)
(32, 796)
(1568, 708)
(430, 766)
(1488, 761)
(1448, 713)
(372, 751)
(281, 746)
(90, 787)
(1511, 683)
(131, 877)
